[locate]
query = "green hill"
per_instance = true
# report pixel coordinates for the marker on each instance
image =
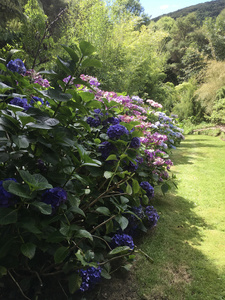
(203, 10)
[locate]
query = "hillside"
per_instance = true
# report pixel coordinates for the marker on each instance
(203, 10)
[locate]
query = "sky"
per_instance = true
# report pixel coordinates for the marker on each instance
(156, 8)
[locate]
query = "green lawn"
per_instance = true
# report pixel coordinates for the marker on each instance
(188, 245)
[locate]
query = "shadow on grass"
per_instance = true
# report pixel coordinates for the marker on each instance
(199, 143)
(180, 271)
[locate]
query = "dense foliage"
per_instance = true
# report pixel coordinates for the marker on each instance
(78, 170)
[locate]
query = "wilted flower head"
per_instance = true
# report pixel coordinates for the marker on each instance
(90, 277)
(116, 131)
(20, 102)
(16, 65)
(148, 188)
(55, 197)
(122, 240)
(7, 199)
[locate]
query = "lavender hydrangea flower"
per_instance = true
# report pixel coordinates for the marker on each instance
(55, 197)
(135, 142)
(7, 199)
(152, 216)
(148, 188)
(20, 102)
(116, 131)
(94, 122)
(90, 277)
(122, 240)
(16, 65)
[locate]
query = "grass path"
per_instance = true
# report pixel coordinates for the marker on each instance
(188, 245)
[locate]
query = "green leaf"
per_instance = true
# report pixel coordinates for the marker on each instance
(91, 62)
(105, 274)
(129, 190)
(74, 282)
(135, 186)
(63, 65)
(77, 210)
(55, 237)
(3, 271)
(28, 250)
(111, 157)
(7, 216)
(86, 96)
(52, 122)
(108, 174)
(60, 254)
(94, 104)
(4, 87)
(120, 250)
(71, 53)
(58, 95)
(86, 48)
(38, 126)
(36, 181)
(82, 233)
(103, 210)
(109, 227)
(21, 141)
(123, 222)
(165, 188)
(24, 118)
(19, 190)
(45, 209)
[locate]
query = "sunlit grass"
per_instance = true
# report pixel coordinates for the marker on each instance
(188, 245)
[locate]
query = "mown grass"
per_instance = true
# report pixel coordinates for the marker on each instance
(188, 245)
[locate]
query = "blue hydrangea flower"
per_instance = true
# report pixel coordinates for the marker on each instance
(55, 196)
(135, 220)
(106, 148)
(7, 199)
(16, 66)
(36, 99)
(122, 240)
(116, 131)
(94, 122)
(148, 188)
(135, 143)
(132, 167)
(152, 216)
(90, 277)
(20, 102)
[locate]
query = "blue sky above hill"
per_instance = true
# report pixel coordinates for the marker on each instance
(156, 8)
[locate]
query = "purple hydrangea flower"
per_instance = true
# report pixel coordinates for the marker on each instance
(148, 188)
(94, 122)
(36, 99)
(90, 277)
(135, 143)
(7, 199)
(116, 131)
(20, 102)
(16, 65)
(132, 167)
(55, 196)
(152, 216)
(135, 220)
(106, 148)
(122, 240)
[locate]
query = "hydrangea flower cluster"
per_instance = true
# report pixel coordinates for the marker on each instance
(36, 99)
(132, 167)
(90, 277)
(16, 65)
(106, 149)
(7, 199)
(122, 240)
(148, 188)
(20, 102)
(116, 131)
(152, 216)
(55, 197)
(135, 142)
(37, 78)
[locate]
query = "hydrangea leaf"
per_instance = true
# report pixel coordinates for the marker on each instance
(60, 254)
(103, 210)
(105, 274)
(108, 174)
(123, 222)
(4, 87)
(135, 186)
(28, 250)
(86, 48)
(91, 62)
(74, 282)
(86, 96)
(111, 157)
(19, 190)
(3, 271)
(129, 189)
(24, 118)
(82, 233)
(44, 208)
(71, 53)
(7, 216)
(120, 250)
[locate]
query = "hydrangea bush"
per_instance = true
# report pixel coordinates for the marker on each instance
(78, 168)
